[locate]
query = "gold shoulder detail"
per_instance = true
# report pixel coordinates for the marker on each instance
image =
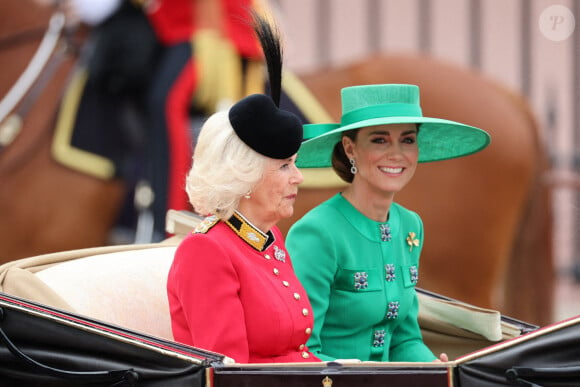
(205, 225)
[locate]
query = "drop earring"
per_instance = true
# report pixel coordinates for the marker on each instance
(353, 168)
(247, 196)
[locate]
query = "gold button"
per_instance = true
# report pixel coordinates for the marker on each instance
(267, 256)
(285, 283)
(296, 296)
(276, 271)
(305, 312)
(301, 347)
(308, 330)
(305, 355)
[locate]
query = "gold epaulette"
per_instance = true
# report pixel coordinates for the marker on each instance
(206, 224)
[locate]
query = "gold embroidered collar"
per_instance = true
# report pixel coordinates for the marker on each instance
(249, 233)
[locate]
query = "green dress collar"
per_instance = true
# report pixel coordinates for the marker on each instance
(370, 229)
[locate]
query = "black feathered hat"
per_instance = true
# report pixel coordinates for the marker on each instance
(257, 119)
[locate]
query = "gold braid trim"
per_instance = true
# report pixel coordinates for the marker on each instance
(62, 150)
(254, 78)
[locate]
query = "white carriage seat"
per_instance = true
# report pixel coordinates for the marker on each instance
(125, 288)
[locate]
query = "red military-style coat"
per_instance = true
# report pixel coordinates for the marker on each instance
(232, 290)
(173, 22)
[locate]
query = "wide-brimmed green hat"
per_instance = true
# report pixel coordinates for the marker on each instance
(314, 130)
(371, 105)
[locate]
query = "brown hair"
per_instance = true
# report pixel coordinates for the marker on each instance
(340, 161)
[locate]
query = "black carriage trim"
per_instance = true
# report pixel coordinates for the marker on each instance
(90, 351)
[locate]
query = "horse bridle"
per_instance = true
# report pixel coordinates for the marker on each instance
(33, 78)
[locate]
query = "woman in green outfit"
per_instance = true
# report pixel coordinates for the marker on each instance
(357, 254)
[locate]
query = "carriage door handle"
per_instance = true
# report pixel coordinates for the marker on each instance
(118, 378)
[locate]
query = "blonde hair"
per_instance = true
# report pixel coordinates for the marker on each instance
(223, 169)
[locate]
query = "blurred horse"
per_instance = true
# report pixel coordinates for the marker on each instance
(487, 217)
(44, 206)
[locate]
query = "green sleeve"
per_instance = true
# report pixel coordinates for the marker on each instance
(311, 248)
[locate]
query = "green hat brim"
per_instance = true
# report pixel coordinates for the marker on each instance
(438, 139)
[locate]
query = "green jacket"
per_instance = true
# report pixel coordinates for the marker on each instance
(360, 281)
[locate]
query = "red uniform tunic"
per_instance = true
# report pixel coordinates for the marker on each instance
(239, 30)
(172, 20)
(229, 294)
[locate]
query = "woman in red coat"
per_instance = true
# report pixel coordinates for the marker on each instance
(231, 287)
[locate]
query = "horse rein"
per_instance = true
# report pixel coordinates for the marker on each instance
(7, 42)
(30, 81)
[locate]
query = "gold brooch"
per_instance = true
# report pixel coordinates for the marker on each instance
(327, 382)
(412, 241)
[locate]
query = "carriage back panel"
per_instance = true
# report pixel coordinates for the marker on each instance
(135, 280)
(48, 347)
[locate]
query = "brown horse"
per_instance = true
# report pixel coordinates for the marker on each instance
(487, 216)
(44, 206)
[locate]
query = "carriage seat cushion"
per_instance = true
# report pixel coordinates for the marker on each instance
(126, 288)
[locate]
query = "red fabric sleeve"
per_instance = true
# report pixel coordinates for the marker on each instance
(204, 298)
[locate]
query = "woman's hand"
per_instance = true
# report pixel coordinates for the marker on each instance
(442, 358)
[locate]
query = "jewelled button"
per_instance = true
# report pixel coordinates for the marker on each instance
(267, 256)
(385, 232)
(360, 280)
(393, 311)
(301, 347)
(379, 338)
(276, 271)
(305, 355)
(391, 275)
(308, 331)
(414, 274)
(296, 296)
(285, 283)
(305, 312)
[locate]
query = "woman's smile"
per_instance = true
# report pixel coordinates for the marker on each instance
(392, 170)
